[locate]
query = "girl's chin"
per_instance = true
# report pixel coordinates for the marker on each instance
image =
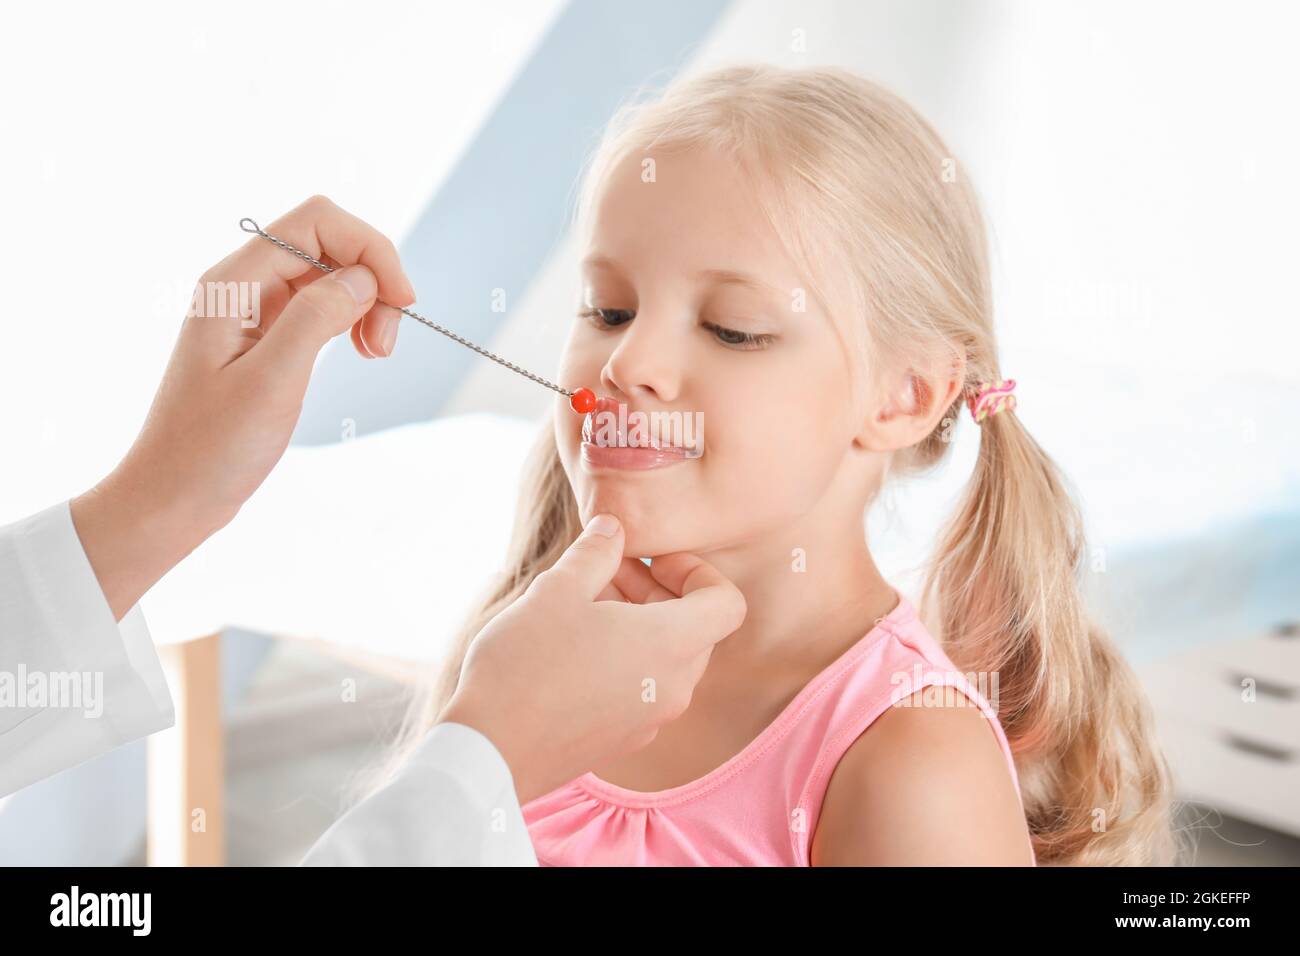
(648, 536)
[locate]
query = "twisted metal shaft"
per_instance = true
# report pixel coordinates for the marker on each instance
(249, 225)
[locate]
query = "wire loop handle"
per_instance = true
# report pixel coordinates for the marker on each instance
(248, 225)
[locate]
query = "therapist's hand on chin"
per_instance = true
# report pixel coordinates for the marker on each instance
(231, 395)
(558, 680)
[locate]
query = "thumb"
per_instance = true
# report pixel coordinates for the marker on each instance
(316, 314)
(591, 562)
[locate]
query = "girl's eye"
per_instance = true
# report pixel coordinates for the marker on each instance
(740, 340)
(608, 318)
(612, 318)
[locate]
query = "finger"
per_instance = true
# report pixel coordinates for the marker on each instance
(637, 584)
(313, 316)
(324, 231)
(710, 606)
(378, 330)
(358, 343)
(673, 571)
(371, 336)
(696, 668)
(612, 593)
(633, 584)
(590, 562)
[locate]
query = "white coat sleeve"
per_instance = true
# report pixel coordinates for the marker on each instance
(452, 803)
(74, 682)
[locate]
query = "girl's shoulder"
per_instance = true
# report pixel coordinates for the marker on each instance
(905, 734)
(925, 784)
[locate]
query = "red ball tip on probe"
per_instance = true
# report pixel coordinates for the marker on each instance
(582, 401)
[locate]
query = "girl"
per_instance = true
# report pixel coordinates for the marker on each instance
(793, 255)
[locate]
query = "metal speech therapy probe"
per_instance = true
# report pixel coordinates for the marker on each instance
(581, 400)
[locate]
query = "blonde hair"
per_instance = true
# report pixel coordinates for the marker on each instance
(860, 186)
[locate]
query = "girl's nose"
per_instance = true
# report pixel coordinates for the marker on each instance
(647, 362)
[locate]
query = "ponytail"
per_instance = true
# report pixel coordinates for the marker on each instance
(1003, 595)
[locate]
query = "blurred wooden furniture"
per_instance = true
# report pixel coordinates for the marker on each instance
(1228, 715)
(186, 766)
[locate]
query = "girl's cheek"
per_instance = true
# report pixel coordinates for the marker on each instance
(582, 348)
(785, 431)
(768, 414)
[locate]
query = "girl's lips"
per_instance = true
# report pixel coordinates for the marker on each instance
(605, 442)
(632, 459)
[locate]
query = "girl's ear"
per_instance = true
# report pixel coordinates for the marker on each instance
(910, 405)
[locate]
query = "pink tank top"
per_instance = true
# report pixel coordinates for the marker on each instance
(760, 808)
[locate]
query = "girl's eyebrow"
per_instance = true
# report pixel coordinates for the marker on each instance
(719, 276)
(743, 279)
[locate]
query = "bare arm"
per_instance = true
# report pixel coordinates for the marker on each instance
(923, 786)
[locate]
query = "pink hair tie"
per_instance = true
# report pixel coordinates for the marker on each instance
(989, 398)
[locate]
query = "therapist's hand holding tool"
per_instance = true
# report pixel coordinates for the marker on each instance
(231, 395)
(581, 400)
(562, 678)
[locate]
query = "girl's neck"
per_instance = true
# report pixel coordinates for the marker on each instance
(812, 589)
